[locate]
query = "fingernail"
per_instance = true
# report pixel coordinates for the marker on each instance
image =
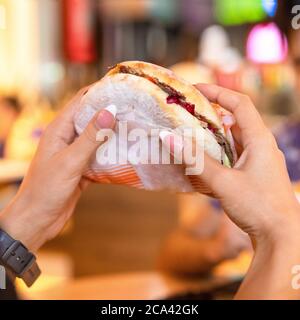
(228, 120)
(106, 117)
(112, 109)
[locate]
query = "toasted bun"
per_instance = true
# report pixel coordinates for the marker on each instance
(202, 105)
(142, 104)
(141, 99)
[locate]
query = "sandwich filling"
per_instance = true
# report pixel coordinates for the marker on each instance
(176, 97)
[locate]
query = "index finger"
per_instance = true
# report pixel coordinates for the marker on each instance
(245, 113)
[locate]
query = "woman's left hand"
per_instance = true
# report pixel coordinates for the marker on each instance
(54, 183)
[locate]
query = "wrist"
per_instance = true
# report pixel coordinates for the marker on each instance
(281, 244)
(280, 232)
(18, 221)
(270, 275)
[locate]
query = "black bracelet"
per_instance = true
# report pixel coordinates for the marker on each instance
(16, 257)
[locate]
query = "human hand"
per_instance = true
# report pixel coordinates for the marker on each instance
(256, 194)
(54, 182)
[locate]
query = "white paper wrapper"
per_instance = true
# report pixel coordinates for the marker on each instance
(147, 176)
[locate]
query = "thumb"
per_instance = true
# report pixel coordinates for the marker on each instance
(212, 172)
(86, 144)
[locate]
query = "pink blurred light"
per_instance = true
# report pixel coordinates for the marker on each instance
(266, 44)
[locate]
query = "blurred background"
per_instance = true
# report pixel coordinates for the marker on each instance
(139, 243)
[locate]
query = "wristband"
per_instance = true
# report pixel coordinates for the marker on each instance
(17, 258)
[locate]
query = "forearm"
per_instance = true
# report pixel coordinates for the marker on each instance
(270, 274)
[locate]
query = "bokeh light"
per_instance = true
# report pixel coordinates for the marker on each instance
(266, 44)
(236, 12)
(270, 7)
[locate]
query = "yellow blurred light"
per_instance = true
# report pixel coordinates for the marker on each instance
(2, 17)
(19, 46)
(234, 268)
(25, 133)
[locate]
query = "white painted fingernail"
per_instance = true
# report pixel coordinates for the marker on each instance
(112, 109)
(228, 120)
(163, 134)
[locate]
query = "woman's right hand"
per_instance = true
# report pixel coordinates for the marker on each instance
(257, 195)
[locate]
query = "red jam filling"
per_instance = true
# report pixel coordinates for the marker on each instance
(211, 128)
(186, 105)
(190, 108)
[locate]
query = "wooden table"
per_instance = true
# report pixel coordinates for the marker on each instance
(131, 286)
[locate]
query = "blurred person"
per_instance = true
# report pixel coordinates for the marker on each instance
(10, 109)
(294, 41)
(265, 208)
(284, 18)
(288, 134)
(204, 238)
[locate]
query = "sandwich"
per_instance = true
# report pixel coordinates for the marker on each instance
(181, 102)
(152, 96)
